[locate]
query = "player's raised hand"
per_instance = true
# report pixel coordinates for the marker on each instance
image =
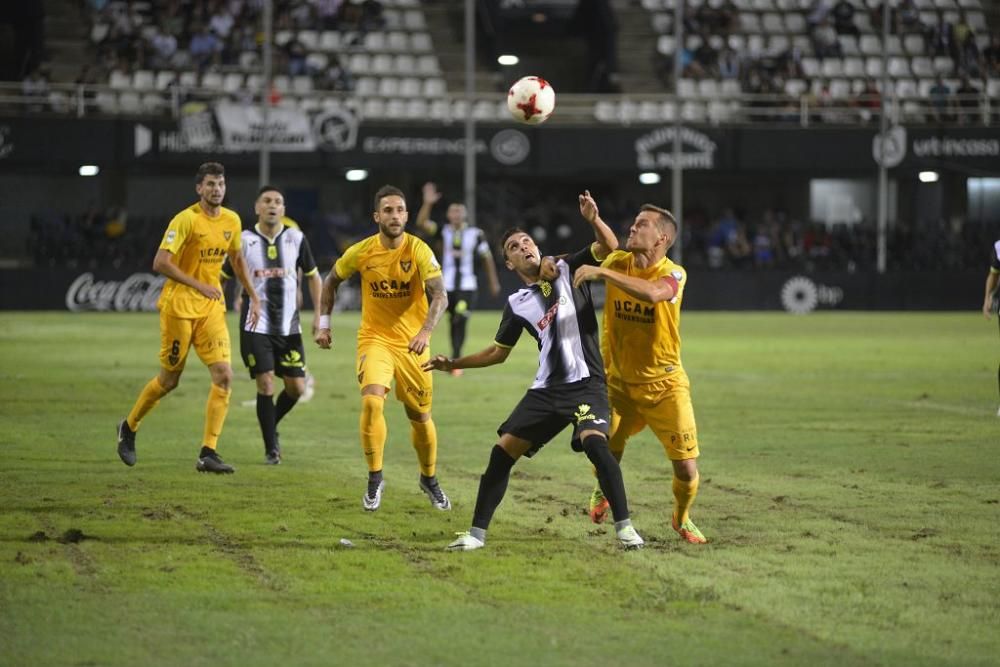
(253, 312)
(431, 193)
(438, 362)
(588, 207)
(324, 338)
(586, 272)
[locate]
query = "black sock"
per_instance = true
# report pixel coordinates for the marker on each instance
(206, 451)
(492, 487)
(284, 404)
(265, 417)
(458, 326)
(609, 474)
(374, 479)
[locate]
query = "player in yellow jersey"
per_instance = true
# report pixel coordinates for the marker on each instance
(192, 311)
(398, 271)
(641, 346)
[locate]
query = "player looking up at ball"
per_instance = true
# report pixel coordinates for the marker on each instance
(641, 343)
(569, 385)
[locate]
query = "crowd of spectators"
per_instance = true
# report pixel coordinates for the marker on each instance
(202, 35)
(709, 54)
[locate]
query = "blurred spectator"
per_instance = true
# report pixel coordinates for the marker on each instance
(204, 46)
(729, 64)
(824, 41)
(336, 76)
(328, 12)
(35, 89)
(941, 38)
(163, 46)
(991, 58)
(940, 100)
(843, 18)
(967, 101)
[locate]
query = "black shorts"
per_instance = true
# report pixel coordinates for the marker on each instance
(282, 354)
(543, 413)
(465, 297)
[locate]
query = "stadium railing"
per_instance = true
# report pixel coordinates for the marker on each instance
(982, 109)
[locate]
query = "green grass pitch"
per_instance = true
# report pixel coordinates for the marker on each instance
(850, 488)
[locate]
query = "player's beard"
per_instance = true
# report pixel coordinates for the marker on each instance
(390, 232)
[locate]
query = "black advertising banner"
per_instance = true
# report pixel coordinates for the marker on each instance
(337, 138)
(137, 290)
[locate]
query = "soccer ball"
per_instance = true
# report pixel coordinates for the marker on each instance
(531, 100)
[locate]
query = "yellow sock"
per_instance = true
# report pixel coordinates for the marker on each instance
(148, 398)
(215, 415)
(373, 430)
(684, 495)
(425, 442)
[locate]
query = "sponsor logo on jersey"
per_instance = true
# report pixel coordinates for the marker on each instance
(548, 317)
(583, 413)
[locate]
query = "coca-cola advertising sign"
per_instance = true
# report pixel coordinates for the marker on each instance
(139, 291)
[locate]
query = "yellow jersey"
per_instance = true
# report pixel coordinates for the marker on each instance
(199, 245)
(641, 341)
(393, 302)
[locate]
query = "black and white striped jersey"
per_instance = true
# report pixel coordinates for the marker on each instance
(273, 268)
(561, 319)
(459, 249)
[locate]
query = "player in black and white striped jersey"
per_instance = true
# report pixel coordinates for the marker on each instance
(991, 300)
(569, 386)
(273, 345)
(457, 245)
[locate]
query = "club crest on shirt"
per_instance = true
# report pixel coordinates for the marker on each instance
(227, 235)
(272, 252)
(406, 265)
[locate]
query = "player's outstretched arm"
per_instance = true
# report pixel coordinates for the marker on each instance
(606, 239)
(490, 356)
(436, 308)
(163, 263)
(324, 336)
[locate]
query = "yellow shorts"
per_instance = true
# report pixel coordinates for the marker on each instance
(664, 406)
(380, 364)
(209, 335)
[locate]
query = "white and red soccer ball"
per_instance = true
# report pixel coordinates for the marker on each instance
(531, 100)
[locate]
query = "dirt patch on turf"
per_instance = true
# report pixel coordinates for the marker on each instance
(245, 560)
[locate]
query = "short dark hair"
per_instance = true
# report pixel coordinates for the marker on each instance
(506, 235)
(388, 191)
(666, 216)
(269, 188)
(209, 168)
